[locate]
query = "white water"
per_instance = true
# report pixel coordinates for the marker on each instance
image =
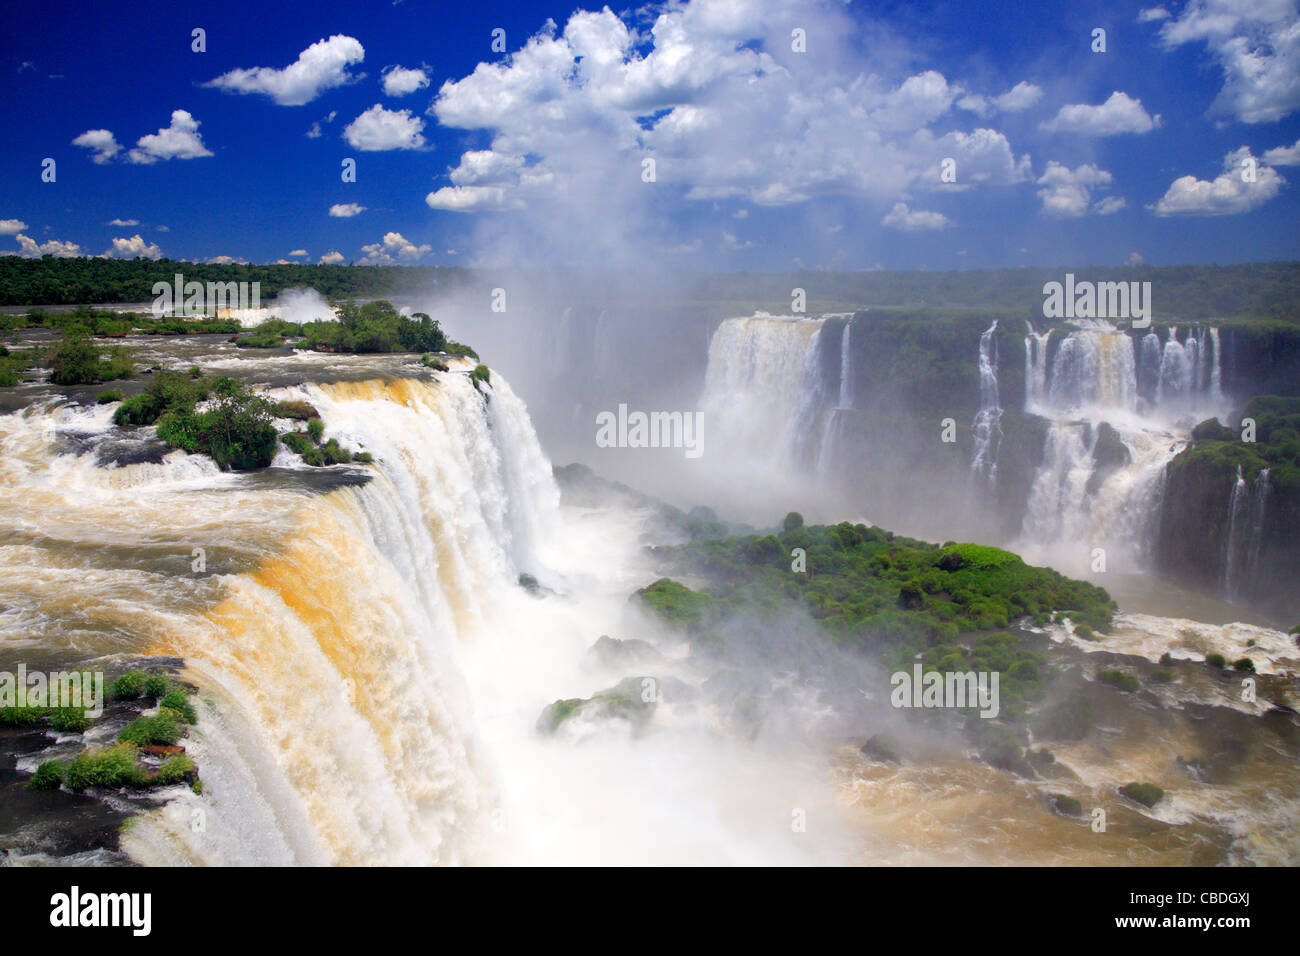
(1247, 507)
(1095, 377)
(987, 427)
(370, 670)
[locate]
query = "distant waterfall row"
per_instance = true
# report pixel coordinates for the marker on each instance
(1100, 368)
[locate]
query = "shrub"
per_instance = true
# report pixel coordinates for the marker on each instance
(175, 770)
(1070, 719)
(23, 716)
(300, 411)
(109, 767)
(1120, 680)
(480, 376)
(48, 776)
(1147, 794)
(159, 729)
(1068, 806)
(1244, 664)
(179, 702)
(70, 720)
(156, 685)
(76, 361)
(1216, 660)
(792, 521)
(315, 429)
(106, 398)
(129, 686)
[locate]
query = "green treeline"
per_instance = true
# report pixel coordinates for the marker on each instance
(52, 281)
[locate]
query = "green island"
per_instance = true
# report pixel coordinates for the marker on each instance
(146, 753)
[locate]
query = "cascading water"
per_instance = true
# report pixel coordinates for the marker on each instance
(987, 427)
(1247, 506)
(1116, 419)
(763, 394)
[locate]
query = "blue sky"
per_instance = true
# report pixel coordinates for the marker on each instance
(1179, 144)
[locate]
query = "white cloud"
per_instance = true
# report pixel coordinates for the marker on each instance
(101, 141)
(378, 129)
(30, 248)
(1067, 193)
(344, 210)
(314, 132)
(322, 66)
(124, 222)
(1151, 15)
(470, 199)
(399, 81)
(9, 227)
(1229, 194)
(164, 228)
(179, 140)
(225, 260)
(1119, 114)
(298, 252)
(913, 220)
(332, 258)
(1015, 100)
(1282, 155)
(393, 249)
(1257, 45)
(729, 241)
(133, 247)
(572, 114)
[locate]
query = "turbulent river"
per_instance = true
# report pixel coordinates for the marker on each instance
(370, 670)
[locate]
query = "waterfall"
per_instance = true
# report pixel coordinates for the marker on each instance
(1035, 367)
(987, 427)
(1097, 376)
(327, 633)
(764, 397)
(846, 367)
(1247, 505)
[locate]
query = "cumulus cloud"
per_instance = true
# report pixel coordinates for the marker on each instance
(913, 220)
(1015, 100)
(574, 113)
(344, 210)
(179, 140)
(399, 81)
(9, 227)
(1283, 155)
(471, 199)
(133, 247)
(394, 249)
(1067, 193)
(379, 129)
(1244, 184)
(298, 252)
(1257, 46)
(225, 260)
(102, 142)
(1119, 114)
(124, 222)
(332, 258)
(322, 66)
(30, 248)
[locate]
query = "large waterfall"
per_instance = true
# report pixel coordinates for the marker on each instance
(1117, 415)
(764, 394)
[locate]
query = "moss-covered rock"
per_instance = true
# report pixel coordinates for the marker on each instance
(1147, 794)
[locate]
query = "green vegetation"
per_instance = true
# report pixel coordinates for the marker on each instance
(234, 428)
(175, 770)
(67, 281)
(1120, 680)
(156, 685)
(374, 327)
(1068, 806)
(129, 686)
(1216, 660)
(107, 767)
(48, 776)
(873, 590)
(107, 398)
(1147, 794)
(178, 703)
(76, 360)
(1244, 664)
(162, 728)
(1068, 719)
